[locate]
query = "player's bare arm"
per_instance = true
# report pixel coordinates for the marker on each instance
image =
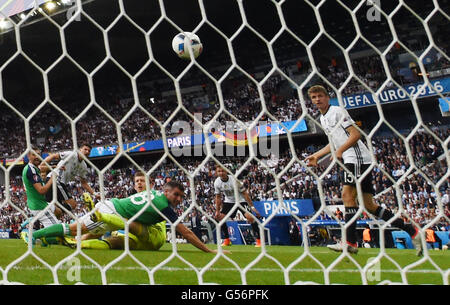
(250, 203)
(193, 239)
(52, 157)
(43, 189)
(218, 201)
(314, 158)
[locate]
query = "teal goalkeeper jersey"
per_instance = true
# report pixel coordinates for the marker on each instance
(130, 206)
(31, 175)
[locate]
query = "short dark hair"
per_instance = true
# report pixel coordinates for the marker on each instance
(87, 145)
(174, 184)
(139, 174)
(218, 165)
(317, 89)
(33, 148)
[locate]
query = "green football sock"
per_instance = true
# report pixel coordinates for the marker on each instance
(51, 240)
(56, 230)
(95, 244)
(113, 220)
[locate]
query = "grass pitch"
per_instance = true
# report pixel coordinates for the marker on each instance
(265, 271)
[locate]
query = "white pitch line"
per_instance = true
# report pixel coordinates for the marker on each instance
(92, 267)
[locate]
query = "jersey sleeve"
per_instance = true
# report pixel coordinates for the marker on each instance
(64, 154)
(169, 214)
(216, 187)
(33, 176)
(242, 187)
(347, 121)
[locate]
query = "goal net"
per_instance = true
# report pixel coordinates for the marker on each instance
(103, 73)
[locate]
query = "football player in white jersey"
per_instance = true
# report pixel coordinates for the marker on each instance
(73, 165)
(346, 141)
(225, 184)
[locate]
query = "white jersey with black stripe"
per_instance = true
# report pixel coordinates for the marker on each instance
(73, 167)
(359, 153)
(227, 188)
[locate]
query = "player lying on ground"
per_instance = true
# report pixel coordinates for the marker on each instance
(128, 207)
(156, 233)
(346, 139)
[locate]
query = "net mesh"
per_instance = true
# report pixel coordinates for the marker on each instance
(101, 74)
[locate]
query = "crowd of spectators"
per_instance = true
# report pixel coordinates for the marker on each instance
(241, 99)
(417, 190)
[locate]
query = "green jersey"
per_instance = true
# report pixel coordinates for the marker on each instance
(31, 175)
(130, 206)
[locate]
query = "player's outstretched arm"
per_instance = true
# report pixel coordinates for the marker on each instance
(193, 239)
(88, 188)
(52, 157)
(314, 158)
(250, 202)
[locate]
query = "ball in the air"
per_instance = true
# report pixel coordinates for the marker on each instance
(180, 45)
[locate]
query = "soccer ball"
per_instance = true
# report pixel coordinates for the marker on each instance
(180, 45)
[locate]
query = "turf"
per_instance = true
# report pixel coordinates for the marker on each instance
(266, 270)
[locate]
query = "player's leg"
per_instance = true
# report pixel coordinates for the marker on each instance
(47, 219)
(94, 227)
(65, 197)
(60, 198)
(226, 207)
(70, 203)
(438, 240)
(157, 235)
(98, 244)
(87, 225)
(117, 241)
(251, 219)
(58, 212)
(118, 223)
(349, 195)
(387, 215)
(56, 230)
(50, 218)
(153, 240)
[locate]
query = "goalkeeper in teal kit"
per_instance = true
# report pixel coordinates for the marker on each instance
(105, 219)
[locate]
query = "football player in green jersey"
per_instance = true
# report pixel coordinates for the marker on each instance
(156, 233)
(163, 204)
(36, 189)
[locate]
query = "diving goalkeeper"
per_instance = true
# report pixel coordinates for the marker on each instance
(171, 196)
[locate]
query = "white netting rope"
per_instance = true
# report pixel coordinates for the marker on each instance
(222, 110)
